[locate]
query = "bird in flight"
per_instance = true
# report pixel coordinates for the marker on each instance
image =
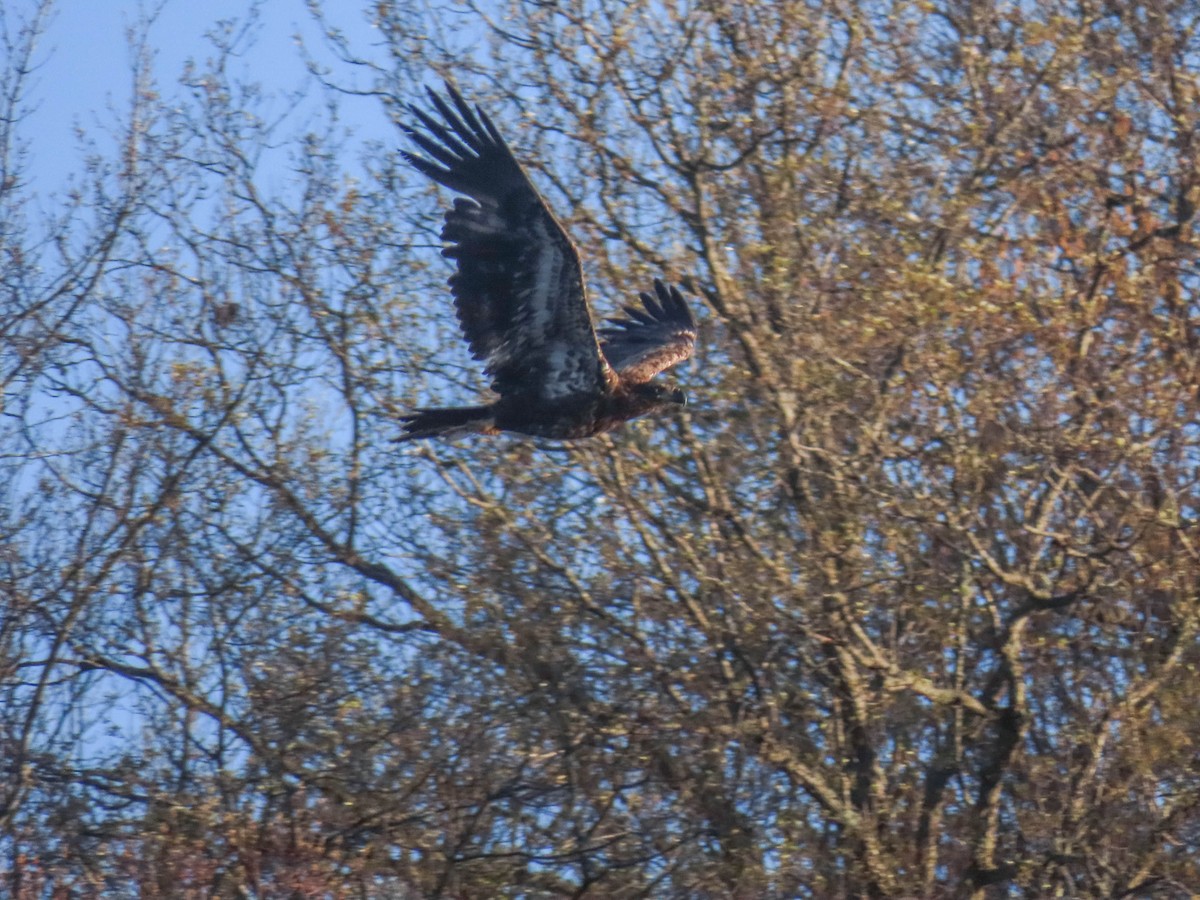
(519, 293)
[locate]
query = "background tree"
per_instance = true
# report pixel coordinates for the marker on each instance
(906, 604)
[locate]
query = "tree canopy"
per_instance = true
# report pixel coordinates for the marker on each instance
(904, 604)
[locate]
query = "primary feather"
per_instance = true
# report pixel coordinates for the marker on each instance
(647, 341)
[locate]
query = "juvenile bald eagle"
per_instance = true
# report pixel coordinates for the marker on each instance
(522, 304)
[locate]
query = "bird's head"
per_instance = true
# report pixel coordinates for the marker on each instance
(662, 394)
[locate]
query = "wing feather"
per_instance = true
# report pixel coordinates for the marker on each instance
(644, 342)
(518, 288)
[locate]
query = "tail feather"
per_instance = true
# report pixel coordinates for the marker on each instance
(448, 422)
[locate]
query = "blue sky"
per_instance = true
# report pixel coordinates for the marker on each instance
(84, 63)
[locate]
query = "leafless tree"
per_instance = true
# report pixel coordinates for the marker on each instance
(904, 606)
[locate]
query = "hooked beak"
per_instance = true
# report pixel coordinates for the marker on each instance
(679, 397)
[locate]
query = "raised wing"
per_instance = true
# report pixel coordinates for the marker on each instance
(647, 341)
(519, 286)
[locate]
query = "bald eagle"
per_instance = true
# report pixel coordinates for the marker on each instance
(521, 301)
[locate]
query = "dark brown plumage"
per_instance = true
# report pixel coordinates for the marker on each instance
(521, 301)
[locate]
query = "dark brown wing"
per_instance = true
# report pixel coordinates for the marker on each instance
(519, 286)
(647, 341)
